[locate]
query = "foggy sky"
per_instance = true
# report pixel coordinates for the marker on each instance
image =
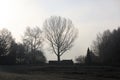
(89, 17)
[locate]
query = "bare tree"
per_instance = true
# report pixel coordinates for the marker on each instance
(61, 33)
(33, 40)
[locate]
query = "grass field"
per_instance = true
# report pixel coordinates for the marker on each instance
(59, 73)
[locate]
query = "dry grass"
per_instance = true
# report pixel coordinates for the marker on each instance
(60, 73)
(15, 76)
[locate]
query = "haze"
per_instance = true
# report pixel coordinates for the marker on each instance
(89, 17)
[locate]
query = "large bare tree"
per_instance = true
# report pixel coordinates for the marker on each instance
(33, 40)
(61, 33)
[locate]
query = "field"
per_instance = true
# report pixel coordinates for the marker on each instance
(49, 72)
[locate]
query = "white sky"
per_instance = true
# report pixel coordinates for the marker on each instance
(89, 16)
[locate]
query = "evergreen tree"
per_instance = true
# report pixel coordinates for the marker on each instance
(88, 59)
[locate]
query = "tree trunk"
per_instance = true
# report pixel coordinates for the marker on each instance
(58, 58)
(58, 55)
(34, 60)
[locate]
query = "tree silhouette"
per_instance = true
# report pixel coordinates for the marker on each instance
(3, 47)
(88, 58)
(32, 41)
(20, 53)
(5, 42)
(107, 47)
(60, 33)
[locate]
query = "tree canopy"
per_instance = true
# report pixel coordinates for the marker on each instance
(61, 33)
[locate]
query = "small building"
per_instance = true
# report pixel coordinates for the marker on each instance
(63, 62)
(53, 62)
(67, 62)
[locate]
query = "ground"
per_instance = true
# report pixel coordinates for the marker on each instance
(69, 72)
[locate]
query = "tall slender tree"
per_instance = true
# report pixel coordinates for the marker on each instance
(88, 58)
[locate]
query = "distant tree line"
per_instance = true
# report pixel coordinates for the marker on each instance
(60, 34)
(105, 49)
(26, 52)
